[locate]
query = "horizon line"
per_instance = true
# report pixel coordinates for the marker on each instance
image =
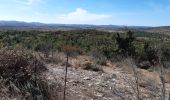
(29, 22)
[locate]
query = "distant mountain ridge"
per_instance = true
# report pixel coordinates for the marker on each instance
(19, 23)
(74, 26)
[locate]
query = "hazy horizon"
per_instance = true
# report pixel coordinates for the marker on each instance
(89, 12)
(76, 24)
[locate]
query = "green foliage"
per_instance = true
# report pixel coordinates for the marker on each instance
(151, 53)
(125, 45)
(109, 44)
(165, 48)
(148, 35)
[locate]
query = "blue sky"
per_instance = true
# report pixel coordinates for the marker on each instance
(116, 12)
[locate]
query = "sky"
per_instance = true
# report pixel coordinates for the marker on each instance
(97, 12)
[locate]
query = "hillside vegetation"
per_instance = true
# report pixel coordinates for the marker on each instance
(101, 65)
(86, 42)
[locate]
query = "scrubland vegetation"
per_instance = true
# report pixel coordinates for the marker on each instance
(142, 46)
(24, 56)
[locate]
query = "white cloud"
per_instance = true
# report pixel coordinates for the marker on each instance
(82, 16)
(79, 16)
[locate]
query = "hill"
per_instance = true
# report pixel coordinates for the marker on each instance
(163, 29)
(18, 25)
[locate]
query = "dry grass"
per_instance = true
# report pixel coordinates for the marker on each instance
(150, 75)
(21, 77)
(58, 58)
(19, 65)
(126, 66)
(167, 77)
(147, 81)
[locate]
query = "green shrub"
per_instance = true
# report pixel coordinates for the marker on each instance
(125, 45)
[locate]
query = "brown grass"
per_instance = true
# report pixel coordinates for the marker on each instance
(21, 77)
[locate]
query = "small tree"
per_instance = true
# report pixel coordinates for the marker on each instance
(151, 54)
(125, 45)
(68, 49)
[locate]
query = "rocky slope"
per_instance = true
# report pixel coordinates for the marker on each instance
(113, 83)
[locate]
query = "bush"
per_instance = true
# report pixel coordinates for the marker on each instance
(20, 73)
(43, 90)
(125, 45)
(71, 50)
(92, 67)
(19, 65)
(99, 58)
(151, 54)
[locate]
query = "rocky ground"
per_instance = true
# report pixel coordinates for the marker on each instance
(112, 83)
